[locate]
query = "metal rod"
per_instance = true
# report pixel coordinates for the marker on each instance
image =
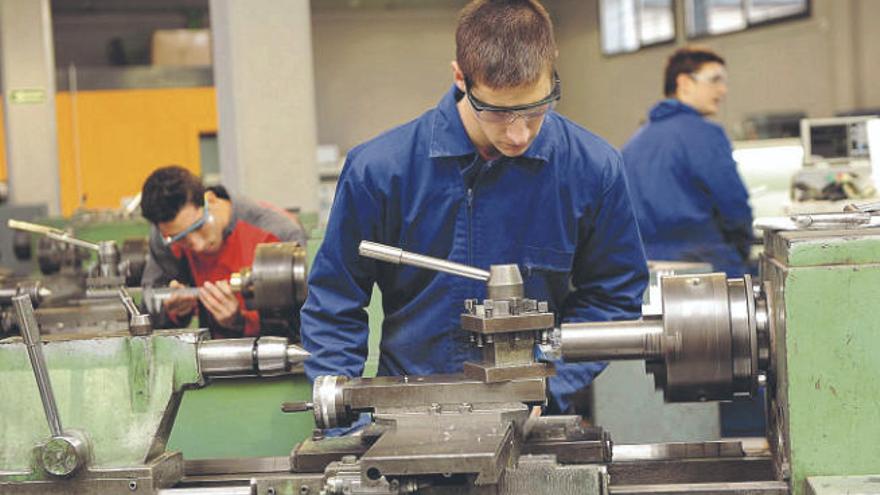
(819, 220)
(612, 340)
(398, 256)
(30, 333)
(128, 302)
(32, 227)
(52, 233)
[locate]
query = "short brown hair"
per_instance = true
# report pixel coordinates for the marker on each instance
(167, 190)
(686, 60)
(505, 43)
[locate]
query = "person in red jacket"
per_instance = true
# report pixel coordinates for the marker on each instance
(199, 237)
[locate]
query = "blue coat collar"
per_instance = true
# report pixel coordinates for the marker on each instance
(669, 107)
(449, 138)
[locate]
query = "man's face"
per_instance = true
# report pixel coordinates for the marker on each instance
(193, 229)
(511, 133)
(705, 88)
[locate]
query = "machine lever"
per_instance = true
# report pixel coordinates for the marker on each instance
(30, 333)
(398, 256)
(52, 233)
(66, 452)
(139, 323)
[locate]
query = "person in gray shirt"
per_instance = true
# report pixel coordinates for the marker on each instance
(199, 237)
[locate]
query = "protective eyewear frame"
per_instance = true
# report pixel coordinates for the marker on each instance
(509, 114)
(205, 218)
(714, 79)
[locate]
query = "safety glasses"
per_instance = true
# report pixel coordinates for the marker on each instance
(205, 218)
(493, 114)
(714, 78)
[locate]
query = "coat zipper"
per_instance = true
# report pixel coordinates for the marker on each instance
(470, 214)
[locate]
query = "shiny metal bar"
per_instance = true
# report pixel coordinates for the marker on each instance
(205, 467)
(829, 220)
(398, 256)
(127, 302)
(154, 297)
(166, 292)
(35, 290)
(30, 333)
(33, 228)
(266, 356)
(160, 294)
(227, 357)
(612, 340)
(52, 233)
(678, 450)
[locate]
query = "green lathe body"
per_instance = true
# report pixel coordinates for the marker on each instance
(827, 352)
(121, 391)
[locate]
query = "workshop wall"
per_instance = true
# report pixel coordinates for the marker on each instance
(379, 68)
(375, 69)
(866, 13)
(123, 136)
(819, 65)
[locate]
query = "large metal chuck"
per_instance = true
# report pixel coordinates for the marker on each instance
(711, 342)
(277, 278)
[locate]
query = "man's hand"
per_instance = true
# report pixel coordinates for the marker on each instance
(221, 302)
(179, 305)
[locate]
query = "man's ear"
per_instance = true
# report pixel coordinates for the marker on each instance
(683, 84)
(458, 76)
(210, 196)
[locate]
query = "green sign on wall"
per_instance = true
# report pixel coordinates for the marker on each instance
(28, 95)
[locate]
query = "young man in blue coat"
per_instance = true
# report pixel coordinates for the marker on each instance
(689, 200)
(491, 175)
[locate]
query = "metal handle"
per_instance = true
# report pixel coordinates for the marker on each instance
(64, 453)
(52, 233)
(128, 302)
(832, 220)
(138, 323)
(30, 332)
(398, 256)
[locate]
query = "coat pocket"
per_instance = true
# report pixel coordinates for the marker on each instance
(546, 259)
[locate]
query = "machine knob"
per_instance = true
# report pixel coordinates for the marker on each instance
(63, 456)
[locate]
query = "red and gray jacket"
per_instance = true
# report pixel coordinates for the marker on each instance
(250, 223)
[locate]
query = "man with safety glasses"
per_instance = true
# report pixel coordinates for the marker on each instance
(689, 199)
(492, 175)
(199, 238)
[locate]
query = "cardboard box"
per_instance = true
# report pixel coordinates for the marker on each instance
(188, 47)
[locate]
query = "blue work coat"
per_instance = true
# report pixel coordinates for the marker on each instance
(561, 212)
(689, 199)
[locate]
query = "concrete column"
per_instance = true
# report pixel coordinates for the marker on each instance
(27, 62)
(266, 100)
(842, 45)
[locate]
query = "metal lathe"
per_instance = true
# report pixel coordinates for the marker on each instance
(804, 330)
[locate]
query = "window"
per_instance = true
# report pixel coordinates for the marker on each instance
(709, 17)
(627, 25)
